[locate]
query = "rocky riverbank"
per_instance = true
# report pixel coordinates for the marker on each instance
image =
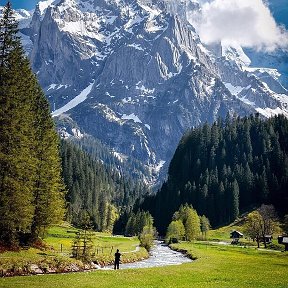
(49, 265)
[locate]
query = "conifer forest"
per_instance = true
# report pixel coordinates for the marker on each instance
(226, 168)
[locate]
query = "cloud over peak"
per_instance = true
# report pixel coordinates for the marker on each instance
(242, 22)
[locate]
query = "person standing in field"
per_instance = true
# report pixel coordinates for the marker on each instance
(117, 259)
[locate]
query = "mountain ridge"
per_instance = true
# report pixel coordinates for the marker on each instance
(139, 75)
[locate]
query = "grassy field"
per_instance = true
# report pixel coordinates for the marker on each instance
(216, 266)
(105, 243)
(59, 242)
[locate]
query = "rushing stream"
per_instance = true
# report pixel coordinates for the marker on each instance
(160, 255)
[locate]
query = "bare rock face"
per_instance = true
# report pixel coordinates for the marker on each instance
(135, 74)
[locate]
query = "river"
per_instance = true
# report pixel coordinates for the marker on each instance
(160, 255)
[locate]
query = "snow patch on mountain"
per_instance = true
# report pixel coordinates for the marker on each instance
(75, 101)
(121, 157)
(108, 113)
(56, 86)
(272, 72)
(43, 5)
(131, 117)
(77, 133)
(159, 165)
(235, 53)
(268, 112)
(234, 90)
(248, 102)
(148, 126)
(136, 46)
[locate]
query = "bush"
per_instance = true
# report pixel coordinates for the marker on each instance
(147, 237)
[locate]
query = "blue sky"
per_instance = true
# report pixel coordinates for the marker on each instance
(25, 4)
(279, 7)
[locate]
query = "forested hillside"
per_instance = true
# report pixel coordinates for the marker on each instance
(224, 169)
(96, 189)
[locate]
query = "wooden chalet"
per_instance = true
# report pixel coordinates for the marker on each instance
(235, 235)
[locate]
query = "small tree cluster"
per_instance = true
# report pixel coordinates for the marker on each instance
(260, 223)
(186, 224)
(141, 225)
(204, 226)
(147, 237)
(175, 231)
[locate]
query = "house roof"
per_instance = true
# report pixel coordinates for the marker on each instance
(235, 231)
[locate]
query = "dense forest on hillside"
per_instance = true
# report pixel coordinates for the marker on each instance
(224, 169)
(95, 188)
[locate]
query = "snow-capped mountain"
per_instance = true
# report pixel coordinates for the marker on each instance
(136, 75)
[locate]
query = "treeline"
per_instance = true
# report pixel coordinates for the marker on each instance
(31, 189)
(95, 189)
(225, 168)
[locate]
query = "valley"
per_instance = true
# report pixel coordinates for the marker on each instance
(159, 128)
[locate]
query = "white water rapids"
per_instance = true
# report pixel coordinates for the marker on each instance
(160, 255)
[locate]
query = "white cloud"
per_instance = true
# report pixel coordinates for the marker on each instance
(248, 23)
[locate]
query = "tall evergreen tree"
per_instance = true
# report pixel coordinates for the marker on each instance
(234, 200)
(17, 168)
(49, 188)
(30, 182)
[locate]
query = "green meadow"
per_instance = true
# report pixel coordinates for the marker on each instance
(59, 240)
(216, 266)
(104, 243)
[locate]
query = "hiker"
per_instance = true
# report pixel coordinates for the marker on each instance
(117, 259)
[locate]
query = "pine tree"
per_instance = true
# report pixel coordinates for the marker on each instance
(17, 157)
(30, 181)
(82, 246)
(234, 200)
(49, 188)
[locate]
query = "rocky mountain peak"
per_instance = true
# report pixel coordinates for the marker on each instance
(136, 75)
